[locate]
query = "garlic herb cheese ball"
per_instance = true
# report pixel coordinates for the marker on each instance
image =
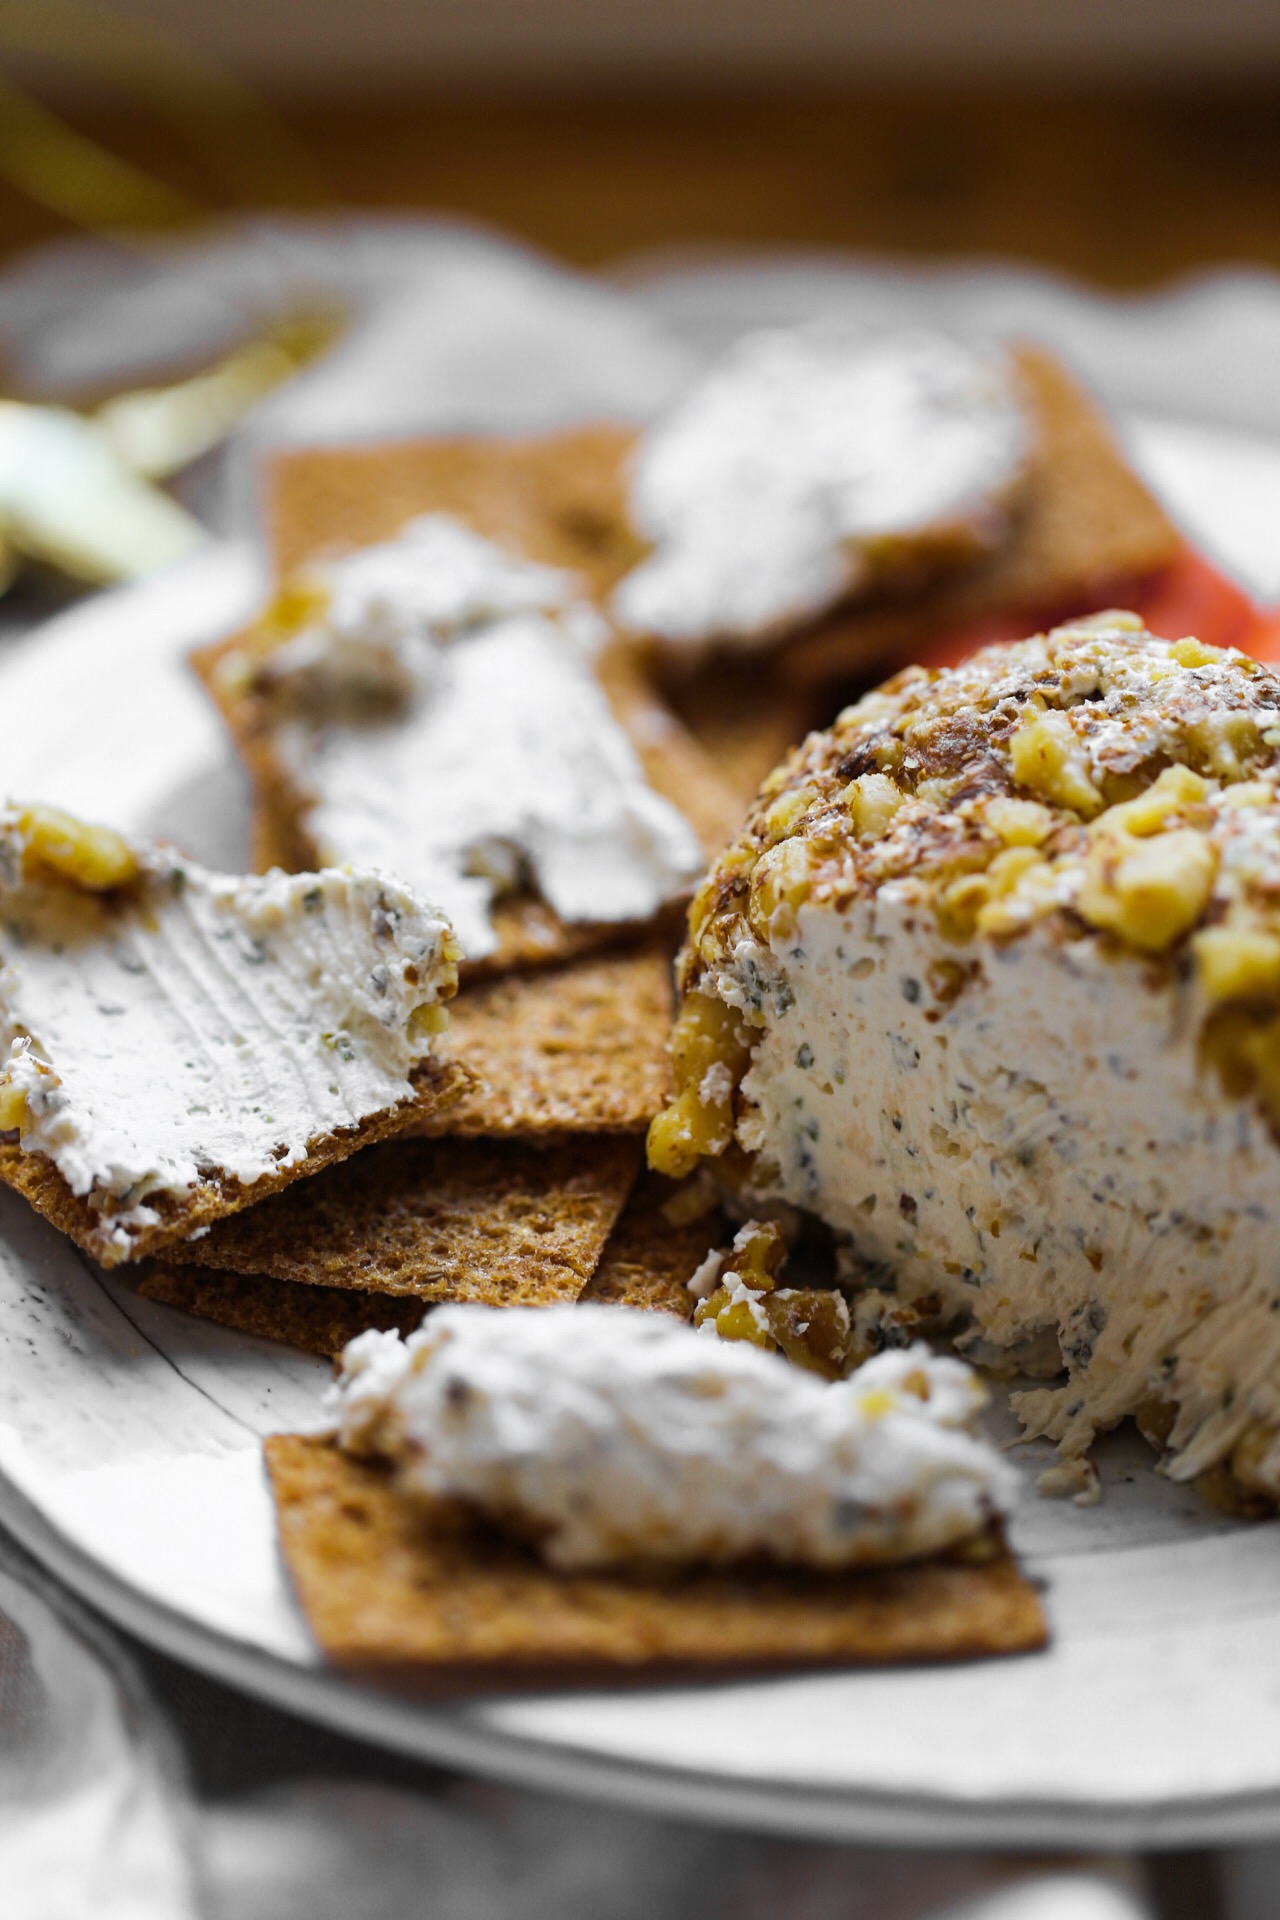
(990, 984)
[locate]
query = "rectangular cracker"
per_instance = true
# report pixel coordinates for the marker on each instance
(560, 498)
(316, 1319)
(646, 1263)
(529, 934)
(393, 1589)
(578, 1048)
(649, 1259)
(499, 1221)
(217, 1196)
(538, 497)
(1085, 521)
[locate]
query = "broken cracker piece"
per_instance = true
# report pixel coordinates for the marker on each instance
(388, 1587)
(299, 696)
(502, 1222)
(529, 934)
(559, 498)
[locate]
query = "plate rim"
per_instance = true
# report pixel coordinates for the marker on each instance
(417, 1731)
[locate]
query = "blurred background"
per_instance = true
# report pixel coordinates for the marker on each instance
(1122, 140)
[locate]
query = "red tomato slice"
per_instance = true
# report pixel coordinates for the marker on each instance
(1189, 596)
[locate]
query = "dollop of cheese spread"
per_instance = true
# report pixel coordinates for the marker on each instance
(606, 1437)
(811, 465)
(160, 1023)
(444, 722)
(995, 972)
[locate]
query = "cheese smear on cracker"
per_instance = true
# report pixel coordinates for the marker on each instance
(160, 1024)
(445, 723)
(608, 1437)
(811, 465)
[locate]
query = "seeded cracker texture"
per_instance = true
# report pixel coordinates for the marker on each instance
(496, 1221)
(394, 1589)
(649, 1258)
(315, 1319)
(577, 1048)
(215, 1196)
(645, 1263)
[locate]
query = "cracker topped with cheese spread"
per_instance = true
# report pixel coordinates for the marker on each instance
(815, 465)
(178, 1043)
(431, 704)
(990, 984)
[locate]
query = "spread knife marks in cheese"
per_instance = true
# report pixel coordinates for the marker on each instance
(160, 1023)
(441, 715)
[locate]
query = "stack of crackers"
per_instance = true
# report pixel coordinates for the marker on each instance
(528, 1185)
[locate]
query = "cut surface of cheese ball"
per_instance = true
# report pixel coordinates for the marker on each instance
(990, 984)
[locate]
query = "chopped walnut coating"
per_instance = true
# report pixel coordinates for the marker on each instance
(1095, 781)
(810, 1325)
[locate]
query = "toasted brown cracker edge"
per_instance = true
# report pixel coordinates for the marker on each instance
(388, 1585)
(560, 498)
(317, 1320)
(529, 932)
(38, 1180)
(648, 1260)
(538, 496)
(646, 1264)
(501, 1221)
(1085, 521)
(581, 1047)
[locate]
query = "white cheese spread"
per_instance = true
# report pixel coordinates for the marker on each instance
(190, 1023)
(1045, 1152)
(805, 466)
(445, 724)
(1003, 950)
(607, 1437)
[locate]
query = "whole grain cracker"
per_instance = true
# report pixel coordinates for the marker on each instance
(391, 1587)
(575, 1048)
(653, 1251)
(646, 1262)
(556, 499)
(316, 1319)
(500, 1221)
(746, 716)
(529, 932)
(1084, 521)
(559, 498)
(216, 1196)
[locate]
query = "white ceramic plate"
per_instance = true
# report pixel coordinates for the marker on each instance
(129, 1436)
